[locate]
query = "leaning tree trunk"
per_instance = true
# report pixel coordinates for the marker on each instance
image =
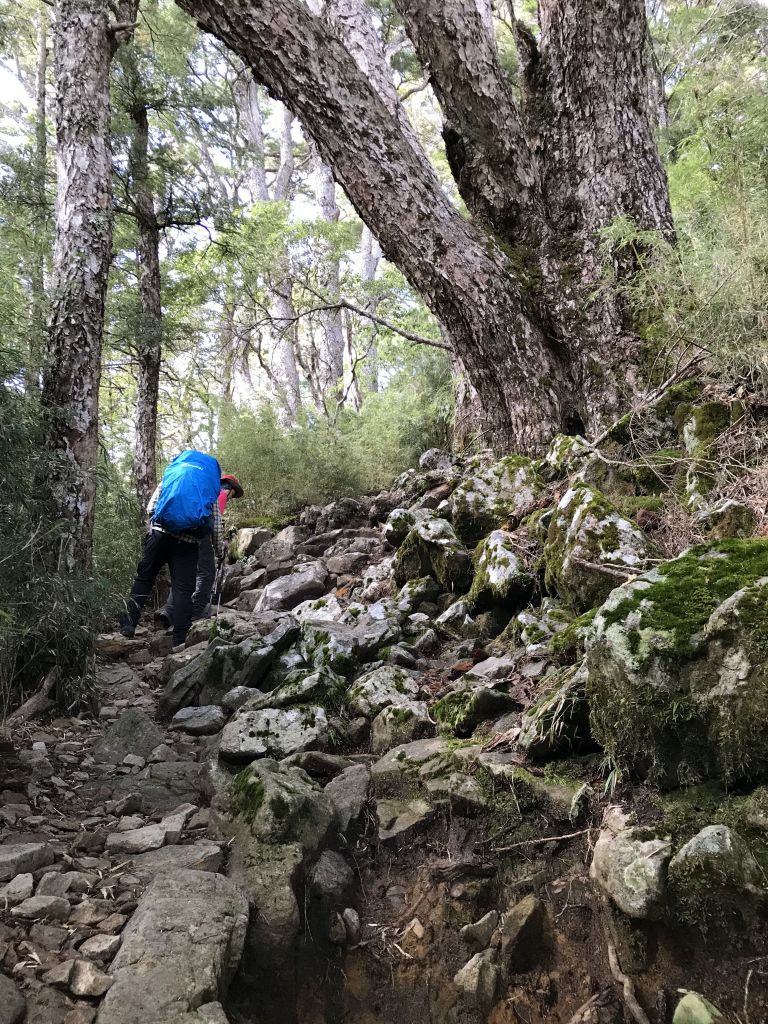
(541, 169)
(80, 268)
(464, 276)
(150, 334)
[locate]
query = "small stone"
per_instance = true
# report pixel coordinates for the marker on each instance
(133, 733)
(13, 1005)
(54, 908)
(100, 947)
(521, 934)
(162, 752)
(631, 868)
(134, 761)
(349, 793)
(138, 840)
(83, 1013)
(478, 935)
(18, 889)
(87, 980)
(22, 858)
(48, 936)
(237, 696)
(90, 912)
(478, 980)
(53, 883)
(130, 822)
(60, 975)
(112, 924)
(204, 721)
(351, 920)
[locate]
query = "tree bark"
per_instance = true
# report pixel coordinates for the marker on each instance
(465, 278)
(38, 303)
(332, 351)
(80, 267)
(149, 342)
(520, 290)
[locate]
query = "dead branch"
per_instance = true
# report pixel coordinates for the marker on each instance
(38, 703)
(630, 999)
(544, 839)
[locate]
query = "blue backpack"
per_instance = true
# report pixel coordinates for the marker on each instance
(190, 485)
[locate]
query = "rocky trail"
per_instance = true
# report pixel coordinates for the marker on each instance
(471, 750)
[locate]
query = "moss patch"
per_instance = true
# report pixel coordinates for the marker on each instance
(690, 588)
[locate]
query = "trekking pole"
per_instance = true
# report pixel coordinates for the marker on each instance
(219, 587)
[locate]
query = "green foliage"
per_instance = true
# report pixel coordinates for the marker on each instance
(318, 460)
(48, 618)
(706, 293)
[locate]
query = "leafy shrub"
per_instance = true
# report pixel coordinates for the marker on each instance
(48, 618)
(319, 460)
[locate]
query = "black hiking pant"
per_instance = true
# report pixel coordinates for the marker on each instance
(206, 577)
(181, 558)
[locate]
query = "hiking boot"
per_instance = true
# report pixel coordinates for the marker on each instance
(162, 619)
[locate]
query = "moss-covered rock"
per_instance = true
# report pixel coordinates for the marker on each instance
(563, 455)
(433, 549)
(400, 522)
(375, 690)
(714, 881)
(700, 426)
(462, 711)
(273, 805)
(414, 593)
(630, 866)
(323, 687)
(568, 642)
(341, 647)
(693, 1008)
(400, 723)
(726, 518)
(492, 494)
(274, 732)
(678, 672)
(559, 719)
(589, 546)
(500, 574)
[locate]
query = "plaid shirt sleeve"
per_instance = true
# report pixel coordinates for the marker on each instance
(218, 530)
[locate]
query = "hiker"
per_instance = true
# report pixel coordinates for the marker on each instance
(183, 510)
(206, 564)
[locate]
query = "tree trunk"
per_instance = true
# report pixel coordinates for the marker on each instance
(332, 350)
(370, 256)
(541, 171)
(38, 300)
(464, 276)
(150, 335)
(80, 268)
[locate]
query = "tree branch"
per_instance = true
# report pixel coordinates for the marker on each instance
(487, 148)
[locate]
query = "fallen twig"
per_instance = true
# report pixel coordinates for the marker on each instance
(544, 839)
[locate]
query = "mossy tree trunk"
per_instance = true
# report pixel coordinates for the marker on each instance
(539, 174)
